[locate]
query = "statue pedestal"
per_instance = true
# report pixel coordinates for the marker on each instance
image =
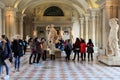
(109, 60)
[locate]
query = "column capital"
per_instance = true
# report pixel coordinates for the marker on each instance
(74, 19)
(81, 20)
(9, 11)
(2, 5)
(93, 12)
(87, 17)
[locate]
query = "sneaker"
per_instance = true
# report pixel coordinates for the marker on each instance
(6, 77)
(2, 76)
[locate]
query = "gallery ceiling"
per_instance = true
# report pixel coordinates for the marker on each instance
(28, 5)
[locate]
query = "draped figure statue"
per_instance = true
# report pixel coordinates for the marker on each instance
(52, 36)
(113, 37)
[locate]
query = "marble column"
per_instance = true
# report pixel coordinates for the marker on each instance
(81, 27)
(0, 21)
(9, 22)
(75, 28)
(87, 26)
(93, 15)
(19, 22)
(98, 29)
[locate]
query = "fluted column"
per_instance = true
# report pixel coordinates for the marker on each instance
(0, 21)
(86, 25)
(9, 22)
(93, 15)
(81, 27)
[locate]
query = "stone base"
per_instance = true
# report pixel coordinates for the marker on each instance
(57, 54)
(109, 60)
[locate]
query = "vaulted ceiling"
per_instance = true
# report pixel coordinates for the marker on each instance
(23, 5)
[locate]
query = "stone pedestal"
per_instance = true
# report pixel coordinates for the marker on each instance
(57, 54)
(109, 60)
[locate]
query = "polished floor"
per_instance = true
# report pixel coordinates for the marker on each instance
(62, 70)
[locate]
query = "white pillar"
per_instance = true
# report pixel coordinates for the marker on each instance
(0, 22)
(75, 28)
(87, 26)
(93, 14)
(20, 23)
(81, 27)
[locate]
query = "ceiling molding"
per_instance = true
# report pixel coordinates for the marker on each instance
(81, 6)
(2, 5)
(68, 3)
(100, 2)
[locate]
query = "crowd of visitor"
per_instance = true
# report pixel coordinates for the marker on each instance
(14, 50)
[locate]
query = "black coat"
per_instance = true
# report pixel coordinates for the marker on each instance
(17, 47)
(90, 48)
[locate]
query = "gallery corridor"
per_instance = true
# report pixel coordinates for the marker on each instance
(62, 70)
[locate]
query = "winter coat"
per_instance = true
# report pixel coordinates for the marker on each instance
(17, 46)
(1, 54)
(77, 44)
(83, 48)
(90, 48)
(68, 47)
(38, 48)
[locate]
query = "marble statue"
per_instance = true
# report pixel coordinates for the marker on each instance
(113, 37)
(27, 38)
(52, 36)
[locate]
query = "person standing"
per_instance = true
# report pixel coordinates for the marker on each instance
(6, 54)
(44, 45)
(76, 46)
(32, 43)
(68, 49)
(51, 50)
(90, 49)
(17, 46)
(38, 49)
(1, 58)
(83, 50)
(24, 46)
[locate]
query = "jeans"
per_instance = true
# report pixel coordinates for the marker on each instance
(34, 59)
(68, 52)
(76, 52)
(7, 69)
(17, 62)
(6, 66)
(83, 56)
(0, 69)
(38, 57)
(44, 55)
(90, 54)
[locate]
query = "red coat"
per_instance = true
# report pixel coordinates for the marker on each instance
(83, 48)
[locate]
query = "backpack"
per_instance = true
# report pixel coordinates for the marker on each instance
(67, 48)
(7, 51)
(24, 43)
(1, 49)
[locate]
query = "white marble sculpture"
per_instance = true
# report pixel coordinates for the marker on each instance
(113, 37)
(52, 36)
(27, 38)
